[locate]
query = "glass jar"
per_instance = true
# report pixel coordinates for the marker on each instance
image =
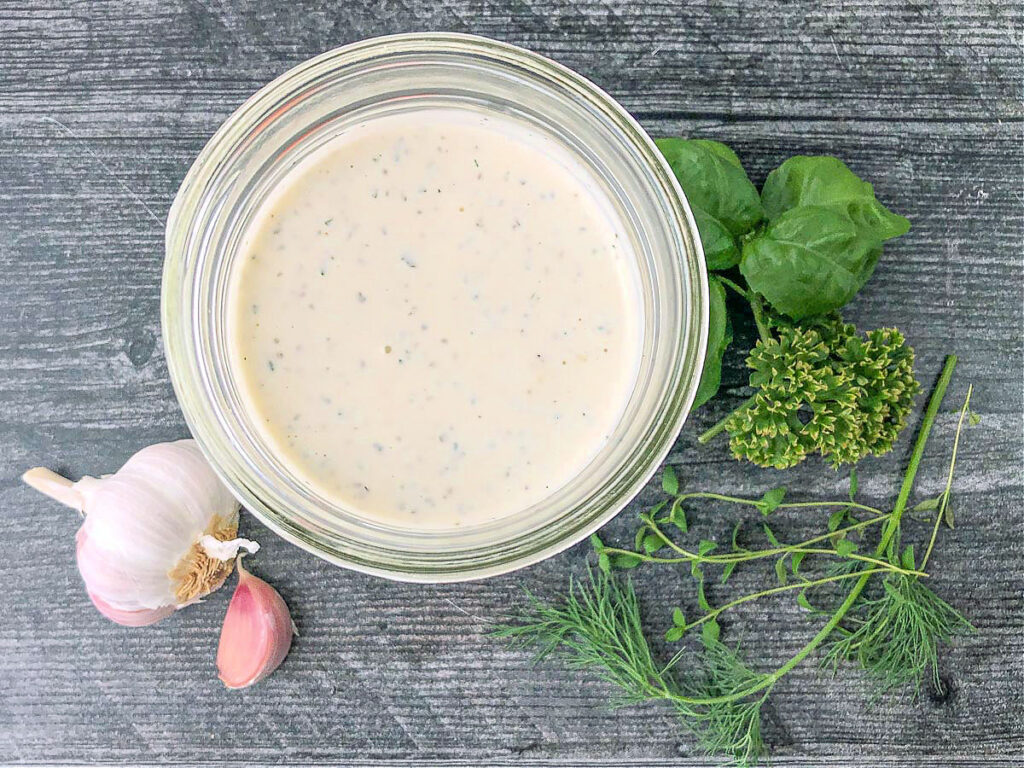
(296, 114)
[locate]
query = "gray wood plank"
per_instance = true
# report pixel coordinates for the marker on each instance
(102, 107)
(913, 60)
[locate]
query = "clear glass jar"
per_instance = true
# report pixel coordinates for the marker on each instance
(296, 114)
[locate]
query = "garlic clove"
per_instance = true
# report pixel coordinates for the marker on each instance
(257, 632)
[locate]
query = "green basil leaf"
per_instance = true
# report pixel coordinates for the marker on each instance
(720, 149)
(705, 547)
(809, 261)
(719, 339)
(714, 181)
(678, 617)
(827, 181)
(674, 634)
(720, 248)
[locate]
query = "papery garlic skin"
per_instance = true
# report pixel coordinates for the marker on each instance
(257, 632)
(140, 618)
(140, 550)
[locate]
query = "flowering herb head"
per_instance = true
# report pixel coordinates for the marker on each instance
(824, 389)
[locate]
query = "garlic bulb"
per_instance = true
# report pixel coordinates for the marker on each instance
(257, 632)
(158, 534)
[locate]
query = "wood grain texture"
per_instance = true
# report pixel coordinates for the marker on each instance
(103, 105)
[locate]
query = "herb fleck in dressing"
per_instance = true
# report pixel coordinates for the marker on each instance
(437, 319)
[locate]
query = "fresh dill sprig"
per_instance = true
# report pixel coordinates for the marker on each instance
(898, 634)
(598, 627)
(729, 727)
(894, 636)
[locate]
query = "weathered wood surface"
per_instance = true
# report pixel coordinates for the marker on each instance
(102, 107)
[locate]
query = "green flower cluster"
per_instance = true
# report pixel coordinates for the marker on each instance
(824, 389)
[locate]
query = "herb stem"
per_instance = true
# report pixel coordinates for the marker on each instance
(882, 564)
(915, 458)
(890, 530)
(727, 282)
(847, 504)
(941, 512)
(842, 531)
(784, 505)
(686, 556)
(757, 307)
(739, 557)
(719, 426)
(761, 554)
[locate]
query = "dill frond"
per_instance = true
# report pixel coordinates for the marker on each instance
(597, 627)
(895, 637)
(732, 730)
(727, 727)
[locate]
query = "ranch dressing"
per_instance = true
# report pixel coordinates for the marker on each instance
(436, 319)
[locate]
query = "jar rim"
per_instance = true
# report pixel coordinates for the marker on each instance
(180, 305)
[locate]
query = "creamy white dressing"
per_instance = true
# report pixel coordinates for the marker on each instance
(436, 319)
